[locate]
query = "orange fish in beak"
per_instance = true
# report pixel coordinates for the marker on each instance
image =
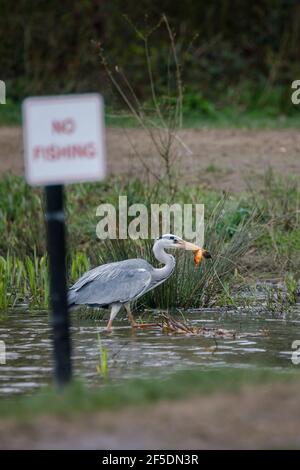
(199, 255)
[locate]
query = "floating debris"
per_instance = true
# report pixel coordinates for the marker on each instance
(171, 325)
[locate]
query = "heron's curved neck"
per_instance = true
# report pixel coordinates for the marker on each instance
(165, 258)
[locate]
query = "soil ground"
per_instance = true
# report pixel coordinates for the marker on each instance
(266, 416)
(218, 158)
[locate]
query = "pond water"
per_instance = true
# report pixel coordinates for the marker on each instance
(145, 352)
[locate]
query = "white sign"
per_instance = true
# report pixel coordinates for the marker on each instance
(64, 139)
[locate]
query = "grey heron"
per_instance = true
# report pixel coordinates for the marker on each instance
(116, 284)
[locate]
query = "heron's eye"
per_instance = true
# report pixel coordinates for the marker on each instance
(172, 238)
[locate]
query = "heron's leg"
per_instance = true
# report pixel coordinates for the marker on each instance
(130, 316)
(113, 313)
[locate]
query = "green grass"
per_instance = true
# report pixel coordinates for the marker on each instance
(22, 246)
(245, 105)
(212, 168)
(279, 204)
(227, 117)
(77, 398)
(268, 222)
(10, 114)
(24, 281)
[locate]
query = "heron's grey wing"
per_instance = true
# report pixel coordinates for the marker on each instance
(110, 283)
(88, 277)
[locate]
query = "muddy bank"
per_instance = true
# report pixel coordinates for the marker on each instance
(255, 417)
(218, 158)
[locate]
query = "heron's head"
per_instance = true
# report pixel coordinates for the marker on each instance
(172, 241)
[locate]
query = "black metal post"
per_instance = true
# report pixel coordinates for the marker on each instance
(55, 223)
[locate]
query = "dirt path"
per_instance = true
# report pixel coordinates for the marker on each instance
(255, 417)
(219, 158)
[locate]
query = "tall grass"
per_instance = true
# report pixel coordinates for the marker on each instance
(21, 217)
(232, 225)
(279, 206)
(24, 281)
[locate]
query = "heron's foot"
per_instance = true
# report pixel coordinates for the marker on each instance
(109, 326)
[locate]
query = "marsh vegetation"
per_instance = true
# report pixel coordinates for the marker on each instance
(251, 236)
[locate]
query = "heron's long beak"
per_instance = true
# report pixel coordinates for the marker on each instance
(190, 246)
(195, 248)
